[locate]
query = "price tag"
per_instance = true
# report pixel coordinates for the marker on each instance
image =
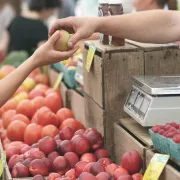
(90, 56)
(2, 162)
(156, 166)
(58, 81)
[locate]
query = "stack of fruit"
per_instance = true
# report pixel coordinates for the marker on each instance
(70, 155)
(41, 138)
(166, 139)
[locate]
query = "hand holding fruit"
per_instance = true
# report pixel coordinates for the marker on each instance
(49, 53)
(83, 28)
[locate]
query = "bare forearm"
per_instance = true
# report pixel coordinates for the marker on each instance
(11, 83)
(149, 27)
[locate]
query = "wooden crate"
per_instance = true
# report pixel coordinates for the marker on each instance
(168, 173)
(159, 59)
(53, 75)
(124, 142)
(128, 135)
(108, 83)
(76, 104)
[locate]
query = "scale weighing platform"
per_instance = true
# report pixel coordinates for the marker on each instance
(154, 100)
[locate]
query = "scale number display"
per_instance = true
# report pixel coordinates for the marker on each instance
(138, 103)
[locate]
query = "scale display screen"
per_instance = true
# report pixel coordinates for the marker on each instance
(132, 97)
(145, 105)
(138, 103)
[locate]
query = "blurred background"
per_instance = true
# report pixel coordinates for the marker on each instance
(24, 24)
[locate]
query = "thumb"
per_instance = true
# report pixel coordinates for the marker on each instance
(54, 37)
(74, 39)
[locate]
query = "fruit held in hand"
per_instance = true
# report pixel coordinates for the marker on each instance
(62, 43)
(132, 161)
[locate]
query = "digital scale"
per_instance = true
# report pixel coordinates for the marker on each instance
(79, 72)
(154, 100)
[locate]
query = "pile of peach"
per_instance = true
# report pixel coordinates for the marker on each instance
(71, 155)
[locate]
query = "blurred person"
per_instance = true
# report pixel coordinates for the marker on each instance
(8, 10)
(44, 55)
(29, 31)
(144, 5)
(67, 8)
(86, 8)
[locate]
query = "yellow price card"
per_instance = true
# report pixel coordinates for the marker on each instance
(58, 81)
(156, 166)
(2, 162)
(90, 56)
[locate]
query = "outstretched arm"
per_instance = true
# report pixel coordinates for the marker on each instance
(156, 26)
(43, 56)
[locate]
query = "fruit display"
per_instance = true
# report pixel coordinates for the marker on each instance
(43, 139)
(166, 139)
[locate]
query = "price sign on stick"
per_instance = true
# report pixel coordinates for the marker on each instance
(156, 166)
(58, 81)
(90, 56)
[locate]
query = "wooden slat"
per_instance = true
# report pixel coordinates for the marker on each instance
(111, 49)
(124, 142)
(165, 62)
(169, 172)
(118, 69)
(152, 47)
(76, 102)
(94, 115)
(140, 132)
(93, 84)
